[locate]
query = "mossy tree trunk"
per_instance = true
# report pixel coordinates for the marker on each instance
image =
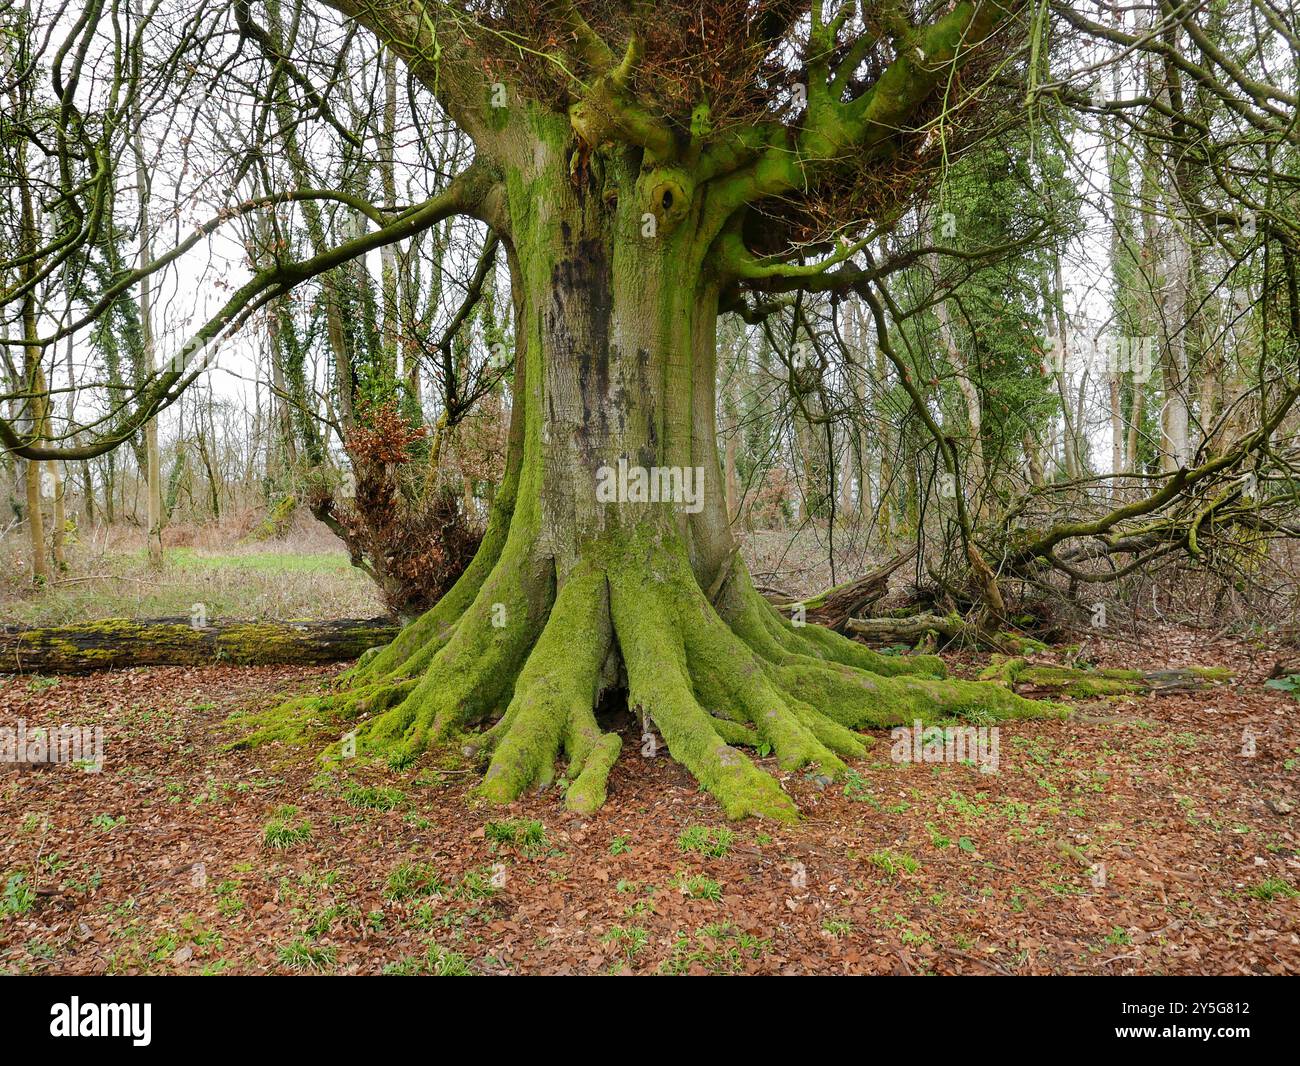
(620, 243)
(616, 304)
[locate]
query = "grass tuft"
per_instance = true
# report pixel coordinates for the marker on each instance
(713, 843)
(286, 829)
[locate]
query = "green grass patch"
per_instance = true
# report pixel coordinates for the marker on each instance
(700, 887)
(413, 880)
(301, 954)
(630, 940)
(371, 798)
(1272, 888)
(527, 834)
(476, 884)
(894, 862)
(436, 962)
(713, 843)
(717, 948)
(287, 829)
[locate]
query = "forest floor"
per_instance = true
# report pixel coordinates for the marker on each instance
(1133, 839)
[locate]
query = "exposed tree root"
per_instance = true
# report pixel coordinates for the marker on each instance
(779, 640)
(645, 606)
(474, 672)
(300, 719)
(553, 701)
(533, 663)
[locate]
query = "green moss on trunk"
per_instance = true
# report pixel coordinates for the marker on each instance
(610, 256)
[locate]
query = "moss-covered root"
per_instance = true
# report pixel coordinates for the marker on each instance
(411, 652)
(650, 638)
(777, 639)
(587, 791)
(472, 676)
(553, 701)
(300, 720)
(729, 676)
(858, 700)
(856, 688)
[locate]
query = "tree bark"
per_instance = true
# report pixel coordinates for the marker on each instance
(970, 393)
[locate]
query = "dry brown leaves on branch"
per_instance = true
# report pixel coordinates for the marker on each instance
(412, 530)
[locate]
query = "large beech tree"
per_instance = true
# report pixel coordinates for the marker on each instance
(647, 166)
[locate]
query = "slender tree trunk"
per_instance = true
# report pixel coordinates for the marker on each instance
(58, 535)
(1054, 296)
(1034, 460)
(388, 182)
(33, 378)
(1137, 407)
(857, 437)
(1175, 367)
(1116, 439)
(110, 479)
(88, 494)
(153, 463)
(209, 466)
(887, 492)
(969, 392)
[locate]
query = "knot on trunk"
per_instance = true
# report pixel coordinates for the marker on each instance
(666, 193)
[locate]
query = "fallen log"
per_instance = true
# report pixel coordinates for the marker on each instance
(836, 606)
(1037, 679)
(114, 643)
(908, 629)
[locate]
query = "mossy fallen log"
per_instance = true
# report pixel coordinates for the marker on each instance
(114, 643)
(930, 631)
(1026, 678)
(907, 629)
